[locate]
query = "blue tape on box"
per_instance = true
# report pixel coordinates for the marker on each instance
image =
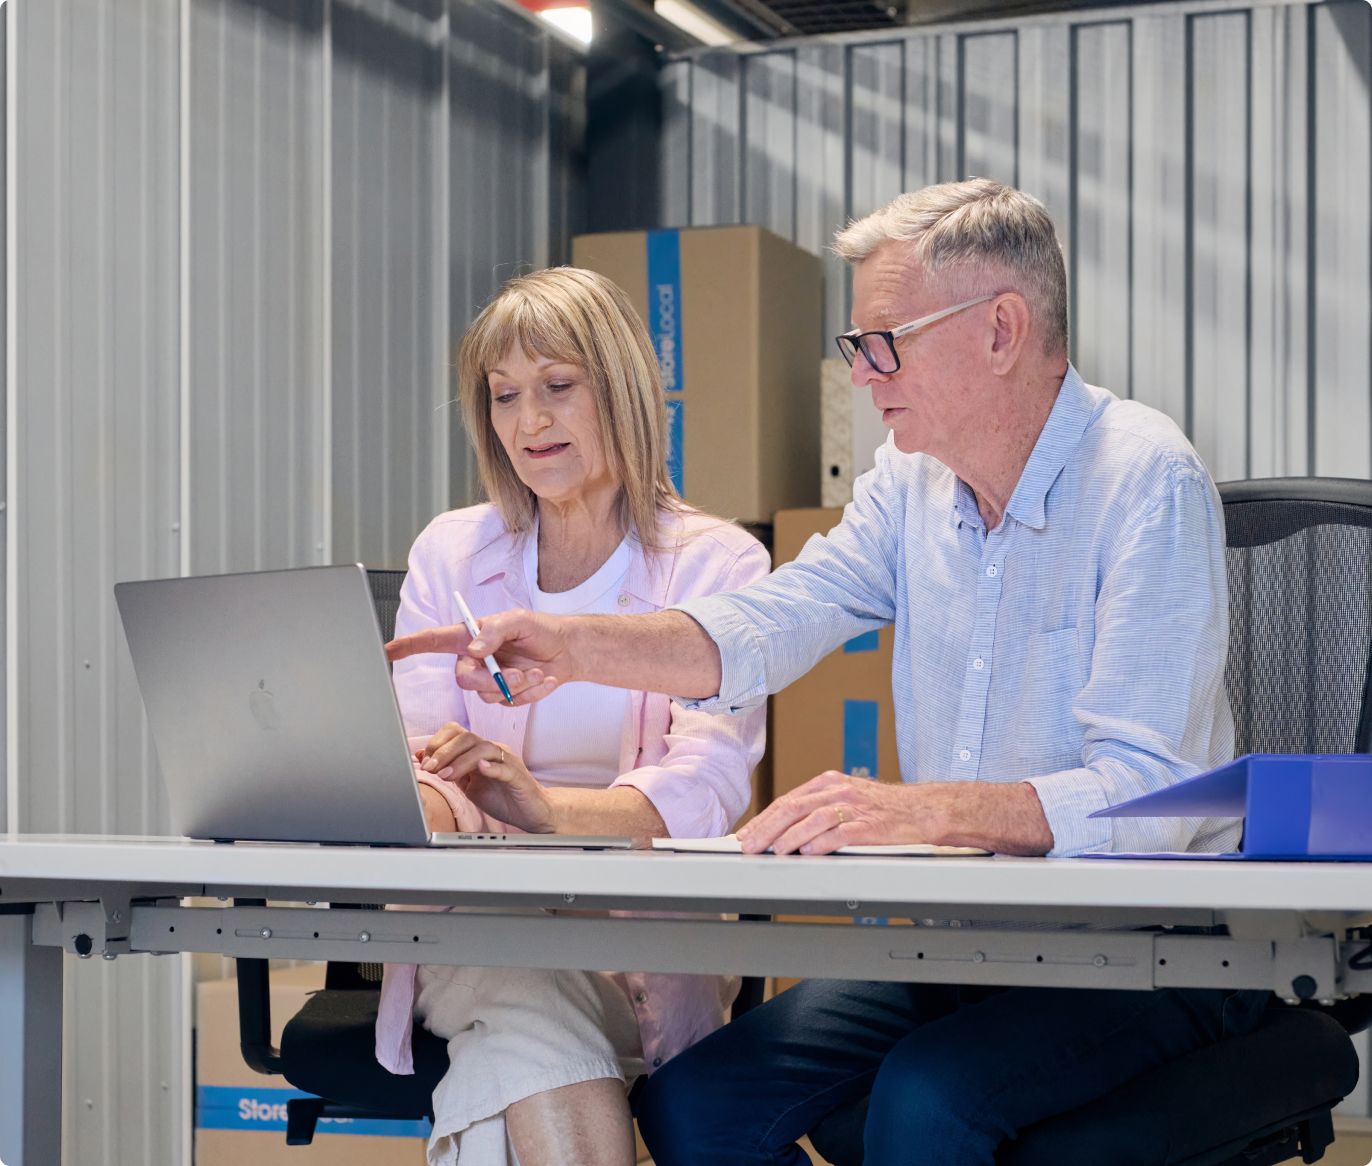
(232, 1107)
(674, 451)
(664, 326)
(860, 738)
(867, 642)
(664, 305)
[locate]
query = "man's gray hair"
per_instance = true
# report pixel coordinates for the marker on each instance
(987, 237)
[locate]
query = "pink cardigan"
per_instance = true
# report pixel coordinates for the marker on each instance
(694, 767)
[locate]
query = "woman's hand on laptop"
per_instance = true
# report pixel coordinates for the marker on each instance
(492, 776)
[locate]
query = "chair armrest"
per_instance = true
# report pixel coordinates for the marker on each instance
(255, 1009)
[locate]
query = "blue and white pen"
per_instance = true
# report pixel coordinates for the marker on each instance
(491, 665)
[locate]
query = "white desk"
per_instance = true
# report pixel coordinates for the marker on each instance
(116, 897)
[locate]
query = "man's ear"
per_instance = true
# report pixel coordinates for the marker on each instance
(1012, 323)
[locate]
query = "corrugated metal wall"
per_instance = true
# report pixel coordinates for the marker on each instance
(1209, 167)
(92, 498)
(243, 233)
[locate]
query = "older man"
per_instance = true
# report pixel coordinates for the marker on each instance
(1052, 559)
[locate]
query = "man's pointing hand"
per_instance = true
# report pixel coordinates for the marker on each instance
(531, 649)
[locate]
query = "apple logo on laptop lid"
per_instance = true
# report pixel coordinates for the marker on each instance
(263, 708)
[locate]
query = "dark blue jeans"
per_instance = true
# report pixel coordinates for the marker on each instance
(952, 1071)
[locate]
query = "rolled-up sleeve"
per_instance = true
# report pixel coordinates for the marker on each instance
(841, 585)
(703, 785)
(1153, 708)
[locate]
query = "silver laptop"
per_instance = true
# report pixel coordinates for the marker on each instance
(271, 705)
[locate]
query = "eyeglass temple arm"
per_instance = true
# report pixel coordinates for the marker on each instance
(910, 327)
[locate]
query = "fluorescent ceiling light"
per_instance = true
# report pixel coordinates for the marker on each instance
(573, 21)
(687, 17)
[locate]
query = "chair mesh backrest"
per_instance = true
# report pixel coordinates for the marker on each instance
(385, 587)
(1300, 623)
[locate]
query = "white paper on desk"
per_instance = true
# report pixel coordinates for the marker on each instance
(730, 844)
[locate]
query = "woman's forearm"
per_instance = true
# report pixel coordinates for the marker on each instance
(618, 810)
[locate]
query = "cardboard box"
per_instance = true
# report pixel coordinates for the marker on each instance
(839, 715)
(735, 316)
(240, 1116)
(851, 432)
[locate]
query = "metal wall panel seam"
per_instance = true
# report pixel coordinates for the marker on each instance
(1073, 193)
(12, 244)
(1248, 248)
(7, 335)
(948, 63)
(1221, 177)
(961, 115)
(1342, 215)
(441, 129)
(1101, 196)
(103, 393)
(1189, 237)
(1129, 382)
(1311, 240)
(184, 288)
(325, 540)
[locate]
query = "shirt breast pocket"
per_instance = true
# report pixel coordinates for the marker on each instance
(1046, 731)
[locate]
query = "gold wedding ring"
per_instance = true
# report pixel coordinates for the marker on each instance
(502, 757)
(840, 816)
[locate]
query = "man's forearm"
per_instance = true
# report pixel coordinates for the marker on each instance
(663, 652)
(1005, 818)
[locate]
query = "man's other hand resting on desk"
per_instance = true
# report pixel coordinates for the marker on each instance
(834, 810)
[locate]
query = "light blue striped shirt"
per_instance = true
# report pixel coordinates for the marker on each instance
(1079, 646)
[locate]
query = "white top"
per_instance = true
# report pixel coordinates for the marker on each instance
(573, 737)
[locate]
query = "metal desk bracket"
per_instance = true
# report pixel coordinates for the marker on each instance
(83, 928)
(1316, 967)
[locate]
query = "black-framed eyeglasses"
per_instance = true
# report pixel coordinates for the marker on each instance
(879, 348)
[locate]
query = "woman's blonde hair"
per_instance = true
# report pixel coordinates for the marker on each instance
(577, 316)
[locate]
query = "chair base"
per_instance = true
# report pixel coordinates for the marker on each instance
(303, 1114)
(1309, 1136)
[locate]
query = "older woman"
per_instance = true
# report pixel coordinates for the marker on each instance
(562, 400)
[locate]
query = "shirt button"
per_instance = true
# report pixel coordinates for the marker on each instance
(640, 996)
(966, 755)
(991, 570)
(657, 1062)
(978, 663)
(623, 601)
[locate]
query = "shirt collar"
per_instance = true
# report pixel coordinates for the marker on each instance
(1061, 434)
(647, 578)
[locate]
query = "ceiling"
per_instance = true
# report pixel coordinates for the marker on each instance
(773, 19)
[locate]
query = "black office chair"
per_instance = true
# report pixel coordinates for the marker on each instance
(328, 1047)
(1299, 675)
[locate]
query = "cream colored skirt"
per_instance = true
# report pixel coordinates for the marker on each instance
(514, 1032)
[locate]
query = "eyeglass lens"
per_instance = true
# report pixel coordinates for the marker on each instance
(876, 348)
